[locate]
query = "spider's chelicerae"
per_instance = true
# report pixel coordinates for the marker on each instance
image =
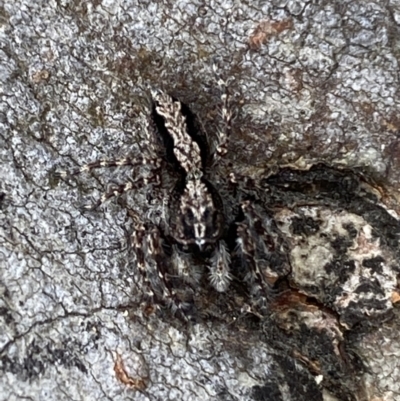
(199, 235)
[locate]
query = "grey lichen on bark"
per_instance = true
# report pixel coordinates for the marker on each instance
(312, 84)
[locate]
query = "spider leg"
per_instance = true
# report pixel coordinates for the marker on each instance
(221, 148)
(154, 267)
(185, 269)
(117, 190)
(261, 251)
(114, 190)
(106, 163)
(219, 274)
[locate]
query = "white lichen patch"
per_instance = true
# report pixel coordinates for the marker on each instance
(337, 258)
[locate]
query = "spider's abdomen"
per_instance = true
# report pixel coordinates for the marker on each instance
(184, 141)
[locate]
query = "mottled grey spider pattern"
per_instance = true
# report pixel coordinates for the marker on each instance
(195, 237)
(211, 242)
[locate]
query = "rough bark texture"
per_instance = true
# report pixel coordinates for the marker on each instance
(314, 84)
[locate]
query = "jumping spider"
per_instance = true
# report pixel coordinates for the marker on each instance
(321, 233)
(197, 230)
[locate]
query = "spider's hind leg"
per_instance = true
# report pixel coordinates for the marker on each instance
(221, 145)
(261, 252)
(156, 270)
(105, 163)
(113, 191)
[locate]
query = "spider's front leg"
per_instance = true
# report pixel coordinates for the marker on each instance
(261, 252)
(220, 275)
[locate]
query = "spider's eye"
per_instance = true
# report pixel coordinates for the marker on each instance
(187, 223)
(206, 214)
